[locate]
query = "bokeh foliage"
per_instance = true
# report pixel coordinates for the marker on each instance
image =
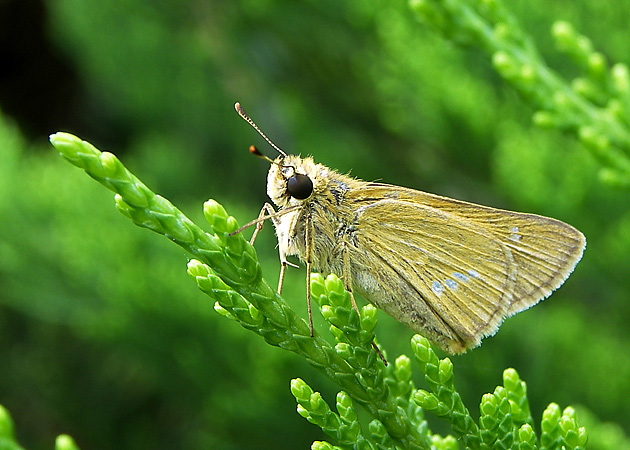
(102, 334)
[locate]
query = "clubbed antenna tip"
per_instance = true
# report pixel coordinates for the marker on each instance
(241, 112)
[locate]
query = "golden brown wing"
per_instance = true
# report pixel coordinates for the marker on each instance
(454, 270)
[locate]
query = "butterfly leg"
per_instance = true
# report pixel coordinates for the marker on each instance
(309, 261)
(283, 265)
(347, 276)
(267, 208)
(271, 214)
(281, 278)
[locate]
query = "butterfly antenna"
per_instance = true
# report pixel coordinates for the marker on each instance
(244, 115)
(254, 151)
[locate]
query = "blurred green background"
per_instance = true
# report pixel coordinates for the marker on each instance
(102, 334)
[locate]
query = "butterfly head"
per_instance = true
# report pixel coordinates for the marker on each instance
(293, 180)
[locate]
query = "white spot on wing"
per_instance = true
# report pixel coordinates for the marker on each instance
(473, 273)
(515, 236)
(437, 287)
(460, 276)
(451, 284)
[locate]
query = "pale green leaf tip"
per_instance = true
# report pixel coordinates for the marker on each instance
(194, 266)
(62, 141)
(6, 424)
(212, 207)
(321, 445)
(446, 371)
(562, 30)
(65, 442)
(300, 389)
(61, 137)
(402, 368)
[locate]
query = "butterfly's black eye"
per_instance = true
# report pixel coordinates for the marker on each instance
(300, 186)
